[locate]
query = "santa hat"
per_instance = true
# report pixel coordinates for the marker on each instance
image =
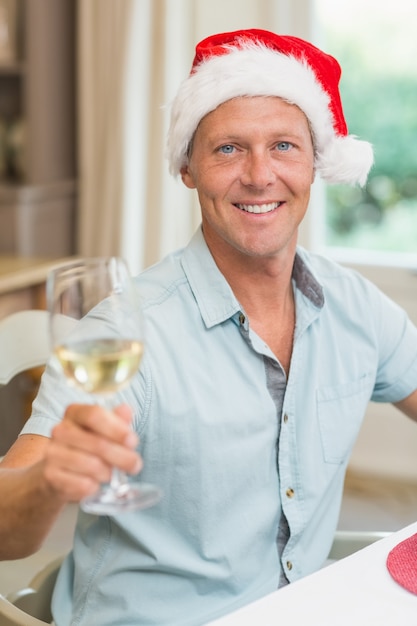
(260, 63)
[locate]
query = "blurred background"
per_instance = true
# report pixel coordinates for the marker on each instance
(83, 92)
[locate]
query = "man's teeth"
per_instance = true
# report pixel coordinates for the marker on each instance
(258, 208)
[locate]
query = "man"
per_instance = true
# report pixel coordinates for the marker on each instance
(261, 359)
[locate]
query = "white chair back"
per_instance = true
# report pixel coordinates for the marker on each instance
(24, 342)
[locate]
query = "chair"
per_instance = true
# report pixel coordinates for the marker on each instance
(347, 542)
(31, 606)
(24, 344)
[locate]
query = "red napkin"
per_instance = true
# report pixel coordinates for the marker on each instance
(402, 563)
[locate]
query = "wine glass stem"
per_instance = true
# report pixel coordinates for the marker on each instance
(118, 481)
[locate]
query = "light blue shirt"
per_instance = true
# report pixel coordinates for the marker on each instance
(209, 437)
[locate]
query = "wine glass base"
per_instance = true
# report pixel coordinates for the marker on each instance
(129, 497)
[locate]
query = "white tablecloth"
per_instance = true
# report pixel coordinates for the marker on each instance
(355, 591)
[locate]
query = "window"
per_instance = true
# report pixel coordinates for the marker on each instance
(375, 43)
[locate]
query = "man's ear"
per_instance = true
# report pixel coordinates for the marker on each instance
(187, 177)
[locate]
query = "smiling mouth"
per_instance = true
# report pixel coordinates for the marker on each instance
(259, 208)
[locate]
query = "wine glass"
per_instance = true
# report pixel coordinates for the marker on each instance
(97, 337)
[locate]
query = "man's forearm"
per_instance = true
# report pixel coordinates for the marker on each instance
(409, 405)
(28, 510)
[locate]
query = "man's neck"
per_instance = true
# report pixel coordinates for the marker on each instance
(258, 283)
(264, 289)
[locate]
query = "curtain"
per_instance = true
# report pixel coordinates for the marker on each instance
(132, 56)
(159, 213)
(103, 29)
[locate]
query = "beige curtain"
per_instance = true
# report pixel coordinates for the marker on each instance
(126, 56)
(103, 33)
(159, 214)
(132, 56)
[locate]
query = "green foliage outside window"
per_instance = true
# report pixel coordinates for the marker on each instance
(381, 107)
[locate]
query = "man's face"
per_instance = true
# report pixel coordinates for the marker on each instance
(252, 164)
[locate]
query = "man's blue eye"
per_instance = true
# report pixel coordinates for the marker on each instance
(227, 149)
(283, 146)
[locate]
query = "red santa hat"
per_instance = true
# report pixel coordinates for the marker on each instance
(260, 63)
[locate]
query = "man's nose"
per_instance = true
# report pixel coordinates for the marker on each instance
(258, 170)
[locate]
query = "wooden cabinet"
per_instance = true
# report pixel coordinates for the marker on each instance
(38, 130)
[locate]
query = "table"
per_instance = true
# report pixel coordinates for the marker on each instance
(22, 281)
(355, 591)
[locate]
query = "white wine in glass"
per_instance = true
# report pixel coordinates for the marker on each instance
(97, 337)
(100, 366)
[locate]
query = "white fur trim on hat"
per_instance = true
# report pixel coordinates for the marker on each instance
(256, 70)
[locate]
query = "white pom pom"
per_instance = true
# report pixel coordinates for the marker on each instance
(345, 160)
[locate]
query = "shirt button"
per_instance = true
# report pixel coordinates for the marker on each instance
(290, 493)
(289, 565)
(241, 319)
(285, 418)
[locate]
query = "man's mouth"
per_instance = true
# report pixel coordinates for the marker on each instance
(259, 208)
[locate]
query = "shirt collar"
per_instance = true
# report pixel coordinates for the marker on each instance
(305, 280)
(212, 292)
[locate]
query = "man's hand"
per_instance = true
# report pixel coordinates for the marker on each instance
(85, 446)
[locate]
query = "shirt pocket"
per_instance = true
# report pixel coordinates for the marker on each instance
(340, 412)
